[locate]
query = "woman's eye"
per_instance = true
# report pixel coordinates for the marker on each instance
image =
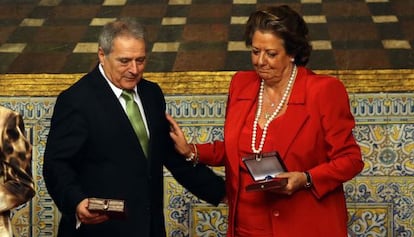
(271, 55)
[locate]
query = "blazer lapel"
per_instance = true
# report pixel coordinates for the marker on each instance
(296, 114)
(240, 107)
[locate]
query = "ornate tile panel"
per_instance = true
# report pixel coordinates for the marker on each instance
(381, 205)
(370, 220)
(206, 220)
(380, 200)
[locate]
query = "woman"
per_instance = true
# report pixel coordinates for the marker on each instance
(282, 106)
(16, 180)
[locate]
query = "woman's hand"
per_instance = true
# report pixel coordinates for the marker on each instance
(178, 137)
(296, 181)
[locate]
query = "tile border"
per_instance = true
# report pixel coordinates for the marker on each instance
(204, 82)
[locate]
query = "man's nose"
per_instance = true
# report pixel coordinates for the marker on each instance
(133, 67)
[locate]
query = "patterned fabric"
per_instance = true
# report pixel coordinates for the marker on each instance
(16, 183)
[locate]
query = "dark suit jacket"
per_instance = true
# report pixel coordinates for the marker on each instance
(92, 151)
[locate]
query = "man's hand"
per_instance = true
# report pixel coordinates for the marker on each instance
(86, 217)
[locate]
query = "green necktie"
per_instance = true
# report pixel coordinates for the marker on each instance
(135, 118)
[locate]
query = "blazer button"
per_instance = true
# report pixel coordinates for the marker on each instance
(276, 213)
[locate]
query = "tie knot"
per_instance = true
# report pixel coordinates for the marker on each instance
(128, 95)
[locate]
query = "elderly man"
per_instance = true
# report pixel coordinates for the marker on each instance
(109, 138)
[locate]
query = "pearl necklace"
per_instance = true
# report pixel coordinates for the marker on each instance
(275, 113)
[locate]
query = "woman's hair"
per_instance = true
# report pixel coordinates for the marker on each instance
(120, 27)
(286, 24)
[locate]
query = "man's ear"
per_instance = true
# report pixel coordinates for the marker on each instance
(101, 55)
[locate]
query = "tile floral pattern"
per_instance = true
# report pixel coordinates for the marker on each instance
(380, 200)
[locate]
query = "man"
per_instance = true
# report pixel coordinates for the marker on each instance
(16, 183)
(93, 151)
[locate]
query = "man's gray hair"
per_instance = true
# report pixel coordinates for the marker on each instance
(119, 27)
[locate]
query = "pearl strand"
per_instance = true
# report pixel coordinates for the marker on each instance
(275, 113)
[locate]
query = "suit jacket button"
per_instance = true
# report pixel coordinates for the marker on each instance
(276, 213)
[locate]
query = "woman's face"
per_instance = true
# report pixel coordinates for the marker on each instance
(269, 57)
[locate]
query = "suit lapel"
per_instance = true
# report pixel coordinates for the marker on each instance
(110, 103)
(151, 101)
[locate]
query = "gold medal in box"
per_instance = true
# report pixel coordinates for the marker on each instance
(264, 168)
(114, 208)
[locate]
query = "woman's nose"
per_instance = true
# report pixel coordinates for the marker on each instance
(261, 59)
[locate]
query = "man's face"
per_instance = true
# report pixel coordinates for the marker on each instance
(124, 66)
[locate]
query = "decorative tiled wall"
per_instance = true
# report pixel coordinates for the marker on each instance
(380, 199)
